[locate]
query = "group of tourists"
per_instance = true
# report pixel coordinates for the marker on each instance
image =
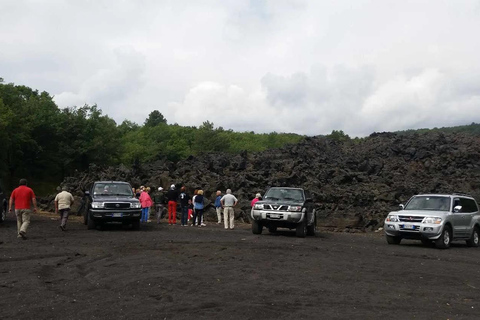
(191, 208)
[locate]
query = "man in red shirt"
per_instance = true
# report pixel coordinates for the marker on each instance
(23, 197)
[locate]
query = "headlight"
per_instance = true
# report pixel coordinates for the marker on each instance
(97, 205)
(432, 220)
(135, 205)
(295, 208)
(258, 206)
(392, 218)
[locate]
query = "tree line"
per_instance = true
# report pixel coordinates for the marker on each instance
(45, 143)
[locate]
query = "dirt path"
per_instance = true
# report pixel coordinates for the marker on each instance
(173, 272)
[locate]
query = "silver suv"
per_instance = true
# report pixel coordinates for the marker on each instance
(438, 218)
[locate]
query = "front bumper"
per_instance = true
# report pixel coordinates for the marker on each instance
(115, 215)
(281, 216)
(413, 230)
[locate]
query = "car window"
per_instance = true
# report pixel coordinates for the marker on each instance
(468, 205)
(434, 203)
(112, 189)
(284, 194)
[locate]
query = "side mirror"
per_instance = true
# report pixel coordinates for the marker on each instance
(401, 206)
(457, 209)
(309, 200)
(87, 193)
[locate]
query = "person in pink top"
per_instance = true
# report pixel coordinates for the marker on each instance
(146, 202)
(258, 196)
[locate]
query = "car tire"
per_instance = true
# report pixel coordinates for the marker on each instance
(3, 215)
(445, 238)
(91, 223)
(136, 225)
(301, 230)
(393, 240)
(475, 238)
(312, 229)
(257, 227)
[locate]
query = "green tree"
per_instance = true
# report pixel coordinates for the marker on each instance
(155, 118)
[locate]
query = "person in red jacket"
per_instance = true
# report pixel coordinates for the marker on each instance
(22, 197)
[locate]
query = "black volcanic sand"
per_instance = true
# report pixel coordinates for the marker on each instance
(173, 272)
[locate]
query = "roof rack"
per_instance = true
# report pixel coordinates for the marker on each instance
(462, 194)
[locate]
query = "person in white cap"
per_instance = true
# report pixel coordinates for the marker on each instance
(159, 200)
(172, 196)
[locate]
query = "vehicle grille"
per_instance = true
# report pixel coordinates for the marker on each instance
(410, 218)
(275, 207)
(117, 205)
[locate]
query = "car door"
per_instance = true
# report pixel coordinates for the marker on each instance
(458, 219)
(470, 211)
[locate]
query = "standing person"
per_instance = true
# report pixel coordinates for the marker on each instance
(146, 203)
(218, 206)
(184, 200)
(63, 202)
(228, 202)
(258, 197)
(195, 192)
(159, 200)
(198, 204)
(149, 191)
(22, 197)
(172, 196)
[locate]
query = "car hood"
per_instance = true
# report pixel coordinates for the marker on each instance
(420, 213)
(281, 202)
(114, 199)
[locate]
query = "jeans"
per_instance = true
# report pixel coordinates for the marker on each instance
(184, 215)
(144, 217)
(197, 213)
(159, 208)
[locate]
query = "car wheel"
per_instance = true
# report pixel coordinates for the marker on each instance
(474, 239)
(312, 229)
(302, 229)
(3, 216)
(257, 227)
(272, 229)
(91, 223)
(393, 240)
(136, 225)
(444, 241)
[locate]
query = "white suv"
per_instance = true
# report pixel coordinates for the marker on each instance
(438, 218)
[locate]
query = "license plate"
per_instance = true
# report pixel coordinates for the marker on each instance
(409, 226)
(117, 215)
(274, 216)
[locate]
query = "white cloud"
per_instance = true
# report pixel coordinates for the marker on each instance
(304, 66)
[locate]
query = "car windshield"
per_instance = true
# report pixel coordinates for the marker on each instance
(284, 194)
(434, 203)
(113, 189)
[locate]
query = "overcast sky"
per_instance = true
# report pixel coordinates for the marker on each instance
(300, 66)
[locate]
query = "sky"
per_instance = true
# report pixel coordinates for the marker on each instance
(306, 67)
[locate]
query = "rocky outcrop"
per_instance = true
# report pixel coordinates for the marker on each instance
(355, 183)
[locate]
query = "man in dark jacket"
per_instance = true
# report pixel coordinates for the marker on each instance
(184, 199)
(172, 196)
